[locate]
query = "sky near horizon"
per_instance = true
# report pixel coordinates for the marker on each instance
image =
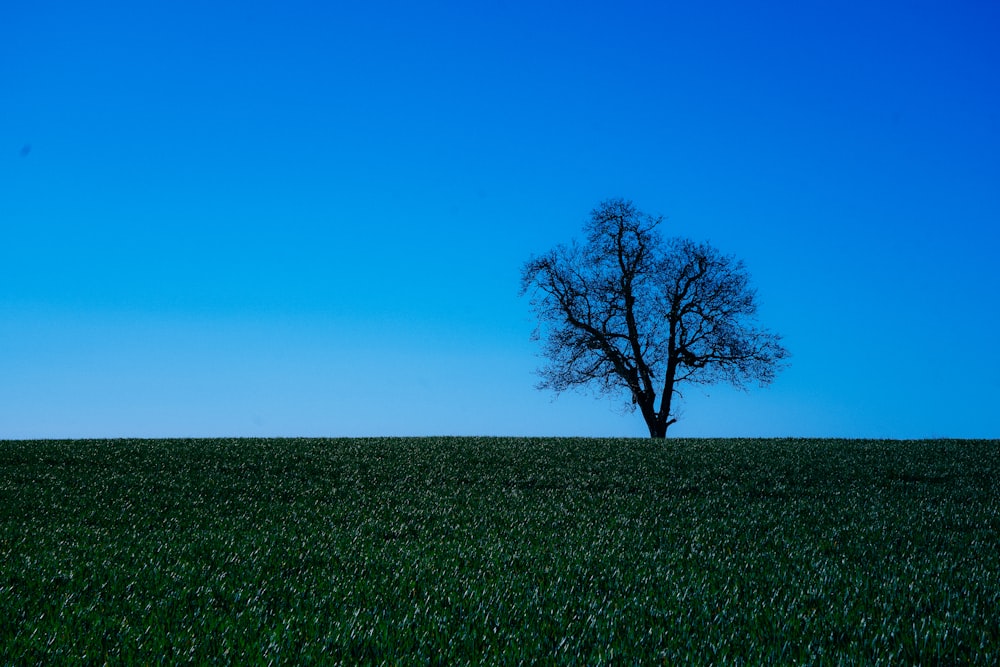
(309, 218)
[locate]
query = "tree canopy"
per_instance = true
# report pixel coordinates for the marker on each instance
(629, 312)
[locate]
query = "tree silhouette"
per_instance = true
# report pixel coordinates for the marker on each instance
(628, 312)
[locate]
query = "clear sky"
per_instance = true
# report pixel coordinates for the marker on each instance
(309, 218)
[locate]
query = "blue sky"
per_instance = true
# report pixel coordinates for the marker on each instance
(306, 218)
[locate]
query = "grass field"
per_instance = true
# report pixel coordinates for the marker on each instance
(463, 550)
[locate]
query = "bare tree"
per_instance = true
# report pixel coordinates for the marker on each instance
(629, 312)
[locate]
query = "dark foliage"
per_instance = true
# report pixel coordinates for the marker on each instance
(501, 551)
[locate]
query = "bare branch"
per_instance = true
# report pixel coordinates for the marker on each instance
(629, 312)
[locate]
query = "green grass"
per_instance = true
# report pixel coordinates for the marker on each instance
(463, 550)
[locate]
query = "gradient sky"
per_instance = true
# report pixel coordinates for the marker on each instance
(309, 218)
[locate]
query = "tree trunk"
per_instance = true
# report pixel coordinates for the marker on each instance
(656, 429)
(659, 422)
(656, 422)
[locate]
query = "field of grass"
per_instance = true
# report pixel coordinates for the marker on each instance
(463, 550)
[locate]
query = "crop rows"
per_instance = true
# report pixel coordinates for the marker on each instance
(464, 550)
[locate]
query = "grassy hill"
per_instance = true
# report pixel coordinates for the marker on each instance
(460, 550)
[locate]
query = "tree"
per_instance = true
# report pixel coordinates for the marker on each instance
(628, 312)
